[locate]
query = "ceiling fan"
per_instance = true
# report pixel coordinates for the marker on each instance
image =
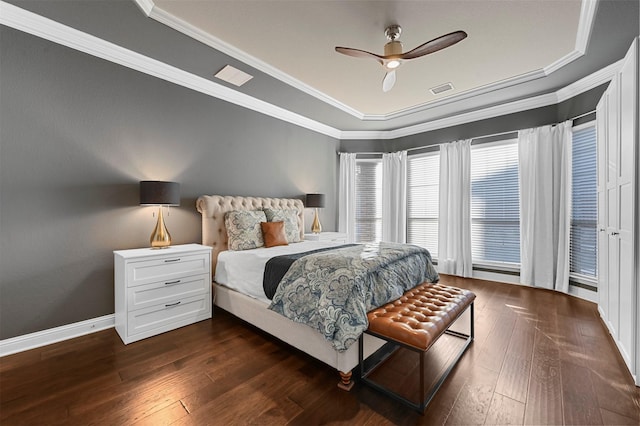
(393, 56)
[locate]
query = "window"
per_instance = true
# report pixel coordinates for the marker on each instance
(368, 201)
(583, 246)
(423, 179)
(495, 206)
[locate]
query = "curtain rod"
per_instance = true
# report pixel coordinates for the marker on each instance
(472, 139)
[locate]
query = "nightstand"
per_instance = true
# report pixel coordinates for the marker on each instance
(160, 290)
(338, 237)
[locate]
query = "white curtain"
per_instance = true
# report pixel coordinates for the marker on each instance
(454, 222)
(394, 197)
(347, 195)
(544, 156)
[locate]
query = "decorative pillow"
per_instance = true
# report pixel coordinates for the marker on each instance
(243, 229)
(290, 219)
(273, 234)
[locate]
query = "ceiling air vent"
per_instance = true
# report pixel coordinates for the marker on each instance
(442, 88)
(233, 75)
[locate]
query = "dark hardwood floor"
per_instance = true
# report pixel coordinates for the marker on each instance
(538, 358)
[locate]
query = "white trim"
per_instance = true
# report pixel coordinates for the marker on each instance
(585, 25)
(48, 29)
(53, 335)
(583, 293)
(502, 84)
(146, 6)
(20, 19)
(494, 111)
(599, 77)
(589, 82)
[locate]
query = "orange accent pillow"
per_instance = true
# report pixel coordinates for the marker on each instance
(273, 234)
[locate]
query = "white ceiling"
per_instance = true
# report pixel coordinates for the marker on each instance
(294, 40)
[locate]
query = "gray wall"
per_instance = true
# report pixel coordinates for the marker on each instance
(77, 134)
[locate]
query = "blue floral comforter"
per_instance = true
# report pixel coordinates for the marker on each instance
(332, 291)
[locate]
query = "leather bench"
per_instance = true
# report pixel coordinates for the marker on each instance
(415, 321)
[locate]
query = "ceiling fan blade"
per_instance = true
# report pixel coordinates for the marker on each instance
(357, 53)
(434, 45)
(388, 81)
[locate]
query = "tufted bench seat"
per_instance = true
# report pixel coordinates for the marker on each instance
(415, 321)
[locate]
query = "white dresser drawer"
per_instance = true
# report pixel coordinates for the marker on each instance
(166, 268)
(167, 316)
(166, 291)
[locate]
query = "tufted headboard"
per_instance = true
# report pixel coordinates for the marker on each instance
(213, 208)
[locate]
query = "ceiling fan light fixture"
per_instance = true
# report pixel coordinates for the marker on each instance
(393, 64)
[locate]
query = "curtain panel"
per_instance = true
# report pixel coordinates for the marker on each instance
(347, 195)
(544, 156)
(394, 197)
(454, 222)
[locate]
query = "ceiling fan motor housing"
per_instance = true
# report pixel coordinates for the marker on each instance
(393, 48)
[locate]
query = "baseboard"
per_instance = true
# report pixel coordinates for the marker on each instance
(53, 335)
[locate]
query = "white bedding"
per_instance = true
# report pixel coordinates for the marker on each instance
(243, 270)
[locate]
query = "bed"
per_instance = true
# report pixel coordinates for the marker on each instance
(254, 309)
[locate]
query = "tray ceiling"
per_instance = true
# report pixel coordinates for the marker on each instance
(509, 41)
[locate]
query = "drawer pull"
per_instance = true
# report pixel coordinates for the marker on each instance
(172, 282)
(172, 304)
(172, 260)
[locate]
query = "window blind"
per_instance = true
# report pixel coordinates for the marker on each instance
(495, 206)
(423, 179)
(368, 226)
(583, 246)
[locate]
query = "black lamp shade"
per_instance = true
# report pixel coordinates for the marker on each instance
(155, 192)
(315, 200)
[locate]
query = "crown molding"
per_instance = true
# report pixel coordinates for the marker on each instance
(589, 82)
(466, 95)
(585, 24)
(456, 120)
(146, 6)
(29, 22)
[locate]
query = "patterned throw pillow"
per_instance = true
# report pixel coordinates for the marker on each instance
(243, 229)
(290, 219)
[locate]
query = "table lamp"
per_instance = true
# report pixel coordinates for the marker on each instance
(159, 193)
(316, 201)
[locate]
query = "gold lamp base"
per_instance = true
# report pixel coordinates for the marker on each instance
(316, 228)
(160, 237)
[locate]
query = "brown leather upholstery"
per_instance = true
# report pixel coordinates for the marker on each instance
(420, 315)
(273, 234)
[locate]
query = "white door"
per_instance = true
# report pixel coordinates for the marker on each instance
(612, 214)
(603, 235)
(628, 114)
(619, 273)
